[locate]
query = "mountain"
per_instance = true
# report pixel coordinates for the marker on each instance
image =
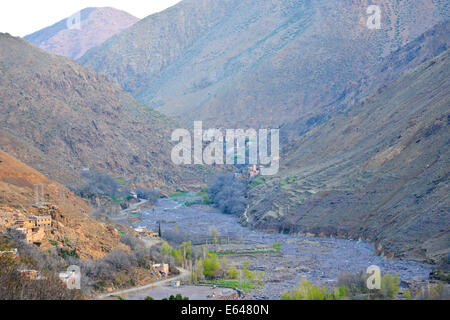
(73, 229)
(59, 118)
(96, 26)
(378, 171)
(256, 63)
(425, 47)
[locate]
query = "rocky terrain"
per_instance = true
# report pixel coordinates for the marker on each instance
(73, 228)
(426, 46)
(59, 117)
(256, 63)
(319, 260)
(379, 171)
(97, 25)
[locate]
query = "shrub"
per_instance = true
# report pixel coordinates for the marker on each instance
(438, 291)
(307, 291)
(233, 273)
(355, 284)
(131, 241)
(150, 195)
(407, 295)
(390, 285)
(13, 286)
(120, 260)
(277, 246)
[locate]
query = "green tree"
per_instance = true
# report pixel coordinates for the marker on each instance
(233, 273)
(186, 249)
(178, 256)
(166, 249)
(197, 273)
(214, 234)
(248, 274)
(211, 266)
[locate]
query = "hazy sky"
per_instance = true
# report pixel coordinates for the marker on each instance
(22, 17)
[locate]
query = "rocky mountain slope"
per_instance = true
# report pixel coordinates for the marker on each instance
(256, 63)
(73, 228)
(427, 46)
(96, 26)
(59, 117)
(379, 171)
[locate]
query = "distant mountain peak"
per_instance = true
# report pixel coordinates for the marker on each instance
(90, 27)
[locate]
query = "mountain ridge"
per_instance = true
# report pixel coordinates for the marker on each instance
(378, 171)
(76, 118)
(260, 64)
(96, 26)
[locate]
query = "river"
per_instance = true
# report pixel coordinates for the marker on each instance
(320, 260)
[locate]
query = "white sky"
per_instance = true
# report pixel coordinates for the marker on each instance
(22, 17)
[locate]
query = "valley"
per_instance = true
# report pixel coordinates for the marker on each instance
(104, 165)
(321, 260)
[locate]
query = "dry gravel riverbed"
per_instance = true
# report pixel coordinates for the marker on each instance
(320, 260)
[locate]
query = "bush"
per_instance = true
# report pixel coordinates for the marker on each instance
(356, 287)
(131, 241)
(277, 246)
(390, 285)
(13, 286)
(233, 273)
(228, 194)
(177, 297)
(438, 291)
(355, 284)
(307, 291)
(120, 260)
(150, 195)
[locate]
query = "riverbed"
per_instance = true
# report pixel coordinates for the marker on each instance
(320, 260)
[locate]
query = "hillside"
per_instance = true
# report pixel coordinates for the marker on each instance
(59, 117)
(256, 63)
(97, 25)
(379, 171)
(73, 230)
(425, 47)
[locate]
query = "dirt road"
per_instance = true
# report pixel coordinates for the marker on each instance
(184, 274)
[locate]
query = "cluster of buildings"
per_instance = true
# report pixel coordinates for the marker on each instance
(32, 229)
(145, 233)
